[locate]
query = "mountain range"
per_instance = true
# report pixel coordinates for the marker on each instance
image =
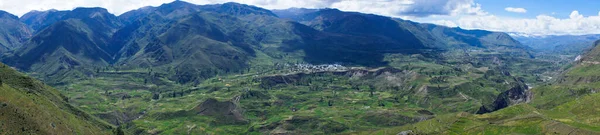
(205, 40)
(231, 68)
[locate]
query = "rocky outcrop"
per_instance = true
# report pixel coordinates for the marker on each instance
(517, 94)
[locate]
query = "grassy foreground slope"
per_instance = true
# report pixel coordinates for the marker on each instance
(29, 107)
(567, 106)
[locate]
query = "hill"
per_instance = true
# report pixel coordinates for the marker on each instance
(27, 106)
(565, 106)
(79, 41)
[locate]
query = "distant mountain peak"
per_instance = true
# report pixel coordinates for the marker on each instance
(330, 9)
(90, 9)
(177, 3)
(4, 14)
(41, 11)
(238, 9)
(235, 4)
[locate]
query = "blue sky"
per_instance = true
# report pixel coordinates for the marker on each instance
(528, 17)
(560, 8)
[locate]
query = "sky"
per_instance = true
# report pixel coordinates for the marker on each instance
(520, 17)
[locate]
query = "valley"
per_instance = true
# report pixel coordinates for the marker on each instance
(231, 68)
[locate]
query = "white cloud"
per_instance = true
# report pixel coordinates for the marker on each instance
(576, 24)
(516, 10)
(463, 13)
(20, 7)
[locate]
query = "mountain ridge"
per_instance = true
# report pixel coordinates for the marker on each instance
(12, 32)
(364, 46)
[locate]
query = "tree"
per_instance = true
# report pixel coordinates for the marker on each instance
(381, 103)
(372, 90)
(0, 81)
(155, 96)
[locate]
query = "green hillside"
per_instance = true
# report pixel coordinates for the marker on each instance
(231, 68)
(29, 107)
(567, 106)
(69, 48)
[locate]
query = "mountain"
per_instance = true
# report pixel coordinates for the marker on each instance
(246, 29)
(436, 70)
(379, 28)
(27, 106)
(133, 15)
(295, 71)
(194, 47)
(12, 32)
(150, 37)
(562, 44)
(177, 9)
(80, 39)
(293, 13)
(237, 9)
(37, 20)
(411, 34)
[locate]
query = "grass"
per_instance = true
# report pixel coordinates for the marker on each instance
(30, 107)
(326, 102)
(328, 99)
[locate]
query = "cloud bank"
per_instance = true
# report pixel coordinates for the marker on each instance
(576, 24)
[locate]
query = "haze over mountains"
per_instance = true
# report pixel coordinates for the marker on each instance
(231, 68)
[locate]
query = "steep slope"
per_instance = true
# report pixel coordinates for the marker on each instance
(79, 41)
(407, 34)
(237, 9)
(216, 39)
(171, 10)
(584, 70)
(68, 40)
(131, 16)
(178, 9)
(314, 36)
(12, 32)
(194, 47)
(37, 20)
(294, 13)
(29, 107)
(365, 25)
(246, 29)
(565, 106)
